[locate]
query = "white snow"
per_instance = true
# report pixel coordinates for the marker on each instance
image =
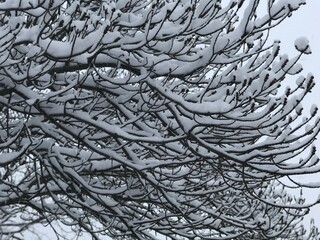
(168, 93)
(302, 45)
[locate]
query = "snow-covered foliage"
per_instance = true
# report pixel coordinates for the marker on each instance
(139, 119)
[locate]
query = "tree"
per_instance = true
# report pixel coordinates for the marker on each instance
(139, 119)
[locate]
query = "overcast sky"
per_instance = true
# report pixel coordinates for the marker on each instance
(305, 22)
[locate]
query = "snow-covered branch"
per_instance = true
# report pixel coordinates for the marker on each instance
(137, 118)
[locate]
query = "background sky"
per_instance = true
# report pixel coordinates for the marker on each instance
(305, 22)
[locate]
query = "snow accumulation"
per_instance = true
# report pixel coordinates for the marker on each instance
(302, 45)
(151, 117)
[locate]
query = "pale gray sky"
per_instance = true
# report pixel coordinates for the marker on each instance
(305, 22)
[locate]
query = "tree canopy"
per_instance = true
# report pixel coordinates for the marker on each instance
(143, 119)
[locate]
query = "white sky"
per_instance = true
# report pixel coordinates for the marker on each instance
(305, 22)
